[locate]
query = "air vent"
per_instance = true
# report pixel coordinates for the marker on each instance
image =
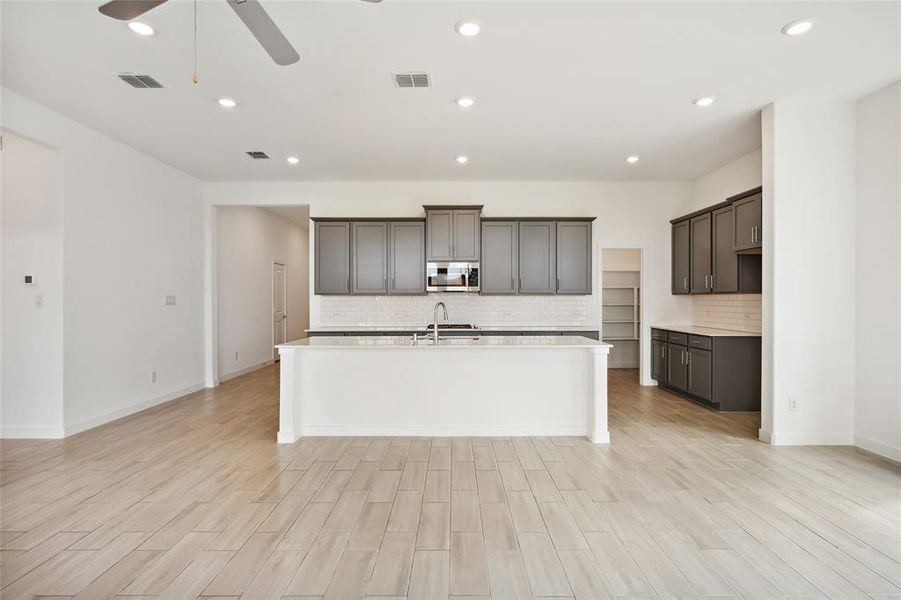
(412, 80)
(258, 155)
(139, 81)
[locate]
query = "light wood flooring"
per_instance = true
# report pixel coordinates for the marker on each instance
(195, 499)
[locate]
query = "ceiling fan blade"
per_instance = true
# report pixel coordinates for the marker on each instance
(126, 10)
(266, 31)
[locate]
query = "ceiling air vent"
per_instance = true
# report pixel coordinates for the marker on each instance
(412, 80)
(139, 81)
(258, 155)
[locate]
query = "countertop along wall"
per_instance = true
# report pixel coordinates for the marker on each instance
(629, 215)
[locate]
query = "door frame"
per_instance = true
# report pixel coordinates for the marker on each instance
(644, 329)
(284, 266)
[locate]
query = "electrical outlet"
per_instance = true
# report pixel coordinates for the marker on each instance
(236, 355)
(153, 377)
(792, 404)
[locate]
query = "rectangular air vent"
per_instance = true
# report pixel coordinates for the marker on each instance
(258, 155)
(139, 81)
(411, 80)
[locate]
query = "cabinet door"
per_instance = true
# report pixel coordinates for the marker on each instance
(466, 235)
(677, 367)
(406, 257)
(701, 252)
(725, 260)
(700, 372)
(331, 261)
(573, 257)
(369, 257)
(658, 361)
(748, 222)
(681, 257)
(440, 235)
(498, 267)
(537, 260)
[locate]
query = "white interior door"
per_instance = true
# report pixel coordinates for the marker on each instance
(279, 304)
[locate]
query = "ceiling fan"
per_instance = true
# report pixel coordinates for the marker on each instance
(255, 18)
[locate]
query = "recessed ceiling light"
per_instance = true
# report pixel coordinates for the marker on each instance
(632, 159)
(798, 27)
(462, 160)
(468, 28)
(465, 101)
(140, 28)
(704, 101)
(292, 160)
(227, 103)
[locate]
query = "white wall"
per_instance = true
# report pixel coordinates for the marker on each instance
(878, 274)
(809, 284)
(732, 178)
(249, 240)
(629, 214)
(31, 386)
(131, 236)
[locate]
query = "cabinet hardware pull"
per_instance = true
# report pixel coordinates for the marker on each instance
(685, 283)
(558, 284)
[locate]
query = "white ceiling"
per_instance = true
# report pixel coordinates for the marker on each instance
(565, 89)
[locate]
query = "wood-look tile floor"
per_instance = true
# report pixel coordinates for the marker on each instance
(195, 499)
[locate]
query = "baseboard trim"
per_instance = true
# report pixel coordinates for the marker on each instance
(501, 430)
(130, 410)
(32, 433)
(883, 450)
(812, 439)
(244, 371)
(764, 436)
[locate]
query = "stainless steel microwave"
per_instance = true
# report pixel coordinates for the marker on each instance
(452, 277)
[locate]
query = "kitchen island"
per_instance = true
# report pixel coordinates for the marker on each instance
(463, 386)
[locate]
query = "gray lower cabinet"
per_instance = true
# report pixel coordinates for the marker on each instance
(498, 265)
(331, 266)
(700, 373)
(573, 257)
(658, 361)
(681, 257)
(369, 257)
(721, 372)
(676, 367)
(701, 246)
(537, 257)
(748, 222)
(406, 257)
(452, 234)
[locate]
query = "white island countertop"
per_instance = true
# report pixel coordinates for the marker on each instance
(414, 328)
(707, 331)
(456, 341)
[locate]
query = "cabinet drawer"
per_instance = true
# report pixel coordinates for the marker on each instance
(678, 338)
(699, 341)
(658, 334)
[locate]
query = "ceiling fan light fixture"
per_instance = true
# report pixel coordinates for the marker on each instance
(141, 28)
(226, 102)
(468, 27)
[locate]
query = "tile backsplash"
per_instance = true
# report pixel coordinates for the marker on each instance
(739, 312)
(523, 311)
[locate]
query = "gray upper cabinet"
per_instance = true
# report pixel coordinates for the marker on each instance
(681, 257)
(748, 222)
(440, 235)
(369, 257)
(466, 235)
(537, 257)
(332, 258)
(701, 251)
(452, 234)
(573, 257)
(725, 261)
(498, 267)
(406, 257)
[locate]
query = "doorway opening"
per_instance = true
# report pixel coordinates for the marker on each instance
(621, 306)
(279, 307)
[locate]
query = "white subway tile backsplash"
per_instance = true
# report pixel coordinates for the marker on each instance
(739, 312)
(541, 311)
